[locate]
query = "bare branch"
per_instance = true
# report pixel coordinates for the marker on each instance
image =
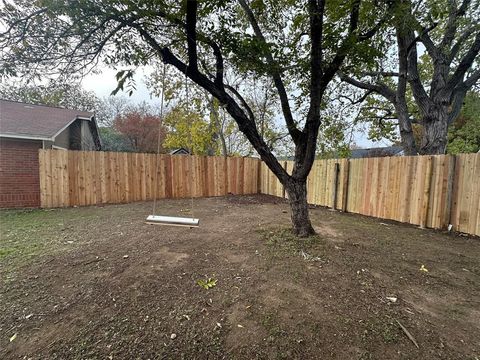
(465, 63)
(277, 78)
(378, 88)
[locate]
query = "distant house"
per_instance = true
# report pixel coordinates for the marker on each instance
(376, 152)
(48, 127)
(180, 151)
(26, 128)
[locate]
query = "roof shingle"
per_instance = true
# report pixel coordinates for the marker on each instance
(37, 121)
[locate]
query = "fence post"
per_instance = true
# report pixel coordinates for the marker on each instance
(447, 218)
(335, 185)
(259, 176)
(345, 184)
(426, 193)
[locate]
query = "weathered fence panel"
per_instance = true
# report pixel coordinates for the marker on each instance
(429, 191)
(77, 178)
(465, 214)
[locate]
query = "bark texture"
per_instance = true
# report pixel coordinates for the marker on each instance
(297, 196)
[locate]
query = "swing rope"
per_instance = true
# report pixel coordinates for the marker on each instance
(159, 137)
(191, 145)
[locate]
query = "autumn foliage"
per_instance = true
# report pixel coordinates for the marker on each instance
(141, 130)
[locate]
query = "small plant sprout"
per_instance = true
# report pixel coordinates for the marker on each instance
(207, 284)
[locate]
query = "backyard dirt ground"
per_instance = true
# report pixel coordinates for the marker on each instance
(98, 283)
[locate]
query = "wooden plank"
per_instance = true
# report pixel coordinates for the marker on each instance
(81, 180)
(42, 154)
(336, 170)
(65, 181)
(474, 224)
(426, 192)
(72, 179)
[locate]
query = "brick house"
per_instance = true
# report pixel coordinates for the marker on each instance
(26, 128)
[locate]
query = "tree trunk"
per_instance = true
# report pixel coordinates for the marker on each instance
(297, 196)
(434, 137)
(406, 131)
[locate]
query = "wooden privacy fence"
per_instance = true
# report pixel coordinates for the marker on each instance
(430, 191)
(71, 178)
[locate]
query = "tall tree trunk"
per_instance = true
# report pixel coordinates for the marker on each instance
(400, 103)
(434, 137)
(297, 196)
(215, 125)
(406, 131)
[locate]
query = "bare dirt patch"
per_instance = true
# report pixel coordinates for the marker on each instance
(96, 283)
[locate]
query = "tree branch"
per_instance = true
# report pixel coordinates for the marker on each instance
(190, 29)
(465, 63)
(380, 89)
(413, 75)
(461, 40)
(277, 78)
(472, 79)
(247, 127)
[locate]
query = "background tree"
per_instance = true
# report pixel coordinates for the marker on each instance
(141, 129)
(296, 44)
(189, 130)
(110, 107)
(65, 95)
(464, 134)
(450, 33)
(221, 135)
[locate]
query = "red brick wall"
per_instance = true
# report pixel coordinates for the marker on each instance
(19, 179)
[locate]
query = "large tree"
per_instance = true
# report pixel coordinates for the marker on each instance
(437, 45)
(298, 44)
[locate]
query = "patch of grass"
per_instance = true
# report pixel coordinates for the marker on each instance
(282, 241)
(386, 330)
(25, 234)
(269, 322)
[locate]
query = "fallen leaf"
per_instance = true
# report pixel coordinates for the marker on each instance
(13, 337)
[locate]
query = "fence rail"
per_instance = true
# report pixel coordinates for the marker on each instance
(430, 191)
(71, 178)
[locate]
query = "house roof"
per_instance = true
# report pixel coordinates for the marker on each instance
(29, 121)
(179, 151)
(376, 152)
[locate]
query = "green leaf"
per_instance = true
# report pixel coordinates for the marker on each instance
(207, 284)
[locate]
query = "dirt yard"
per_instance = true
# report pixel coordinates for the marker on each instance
(98, 283)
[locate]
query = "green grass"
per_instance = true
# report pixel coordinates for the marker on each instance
(282, 242)
(27, 234)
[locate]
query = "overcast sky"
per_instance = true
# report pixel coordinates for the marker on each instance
(103, 84)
